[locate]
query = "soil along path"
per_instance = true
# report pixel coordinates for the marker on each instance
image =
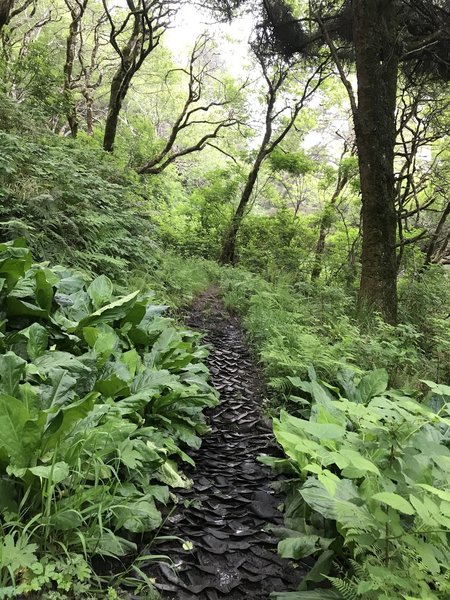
(231, 501)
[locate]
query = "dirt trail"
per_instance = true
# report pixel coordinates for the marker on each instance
(231, 500)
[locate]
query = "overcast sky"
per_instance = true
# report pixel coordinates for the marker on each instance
(190, 22)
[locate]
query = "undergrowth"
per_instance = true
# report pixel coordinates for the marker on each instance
(367, 489)
(100, 399)
(74, 203)
(292, 327)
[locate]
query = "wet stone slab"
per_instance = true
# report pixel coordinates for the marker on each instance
(231, 502)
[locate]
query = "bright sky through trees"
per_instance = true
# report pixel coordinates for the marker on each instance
(190, 22)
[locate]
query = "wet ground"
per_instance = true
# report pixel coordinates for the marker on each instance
(231, 501)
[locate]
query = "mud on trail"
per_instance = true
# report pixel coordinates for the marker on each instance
(231, 500)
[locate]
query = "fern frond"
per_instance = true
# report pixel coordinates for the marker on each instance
(348, 589)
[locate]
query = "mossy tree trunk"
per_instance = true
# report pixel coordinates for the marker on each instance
(377, 61)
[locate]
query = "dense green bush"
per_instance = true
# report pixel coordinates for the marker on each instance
(293, 327)
(368, 478)
(98, 395)
(73, 202)
(279, 244)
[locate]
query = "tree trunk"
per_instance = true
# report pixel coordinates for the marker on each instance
(119, 88)
(6, 7)
(436, 239)
(71, 107)
(89, 115)
(375, 30)
(320, 246)
(228, 253)
(77, 12)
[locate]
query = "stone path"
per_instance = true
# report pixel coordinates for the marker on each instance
(231, 501)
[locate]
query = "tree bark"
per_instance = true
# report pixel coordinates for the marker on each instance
(436, 239)
(6, 7)
(228, 253)
(131, 58)
(375, 30)
(119, 88)
(77, 12)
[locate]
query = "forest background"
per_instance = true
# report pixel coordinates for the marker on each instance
(307, 176)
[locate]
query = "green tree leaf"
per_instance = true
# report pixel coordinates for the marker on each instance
(394, 501)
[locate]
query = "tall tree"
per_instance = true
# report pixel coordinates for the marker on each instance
(378, 35)
(133, 38)
(276, 73)
(76, 9)
(211, 105)
(377, 58)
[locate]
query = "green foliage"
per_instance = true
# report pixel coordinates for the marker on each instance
(179, 280)
(424, 302)
(292, 328)
(38, 79)
(369, 480)
(98, 397)
(73, 204)
(294, 163)
(276, 245)
(195, 225)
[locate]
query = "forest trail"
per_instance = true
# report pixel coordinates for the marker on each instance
(231, 500)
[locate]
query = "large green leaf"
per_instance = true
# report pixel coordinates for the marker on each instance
(344, 505)
(37, 336)
(12, 368)
(111, 312)
(298, 547)
(21, 308)
(60, 391)
(394, 501)
(100, 291)
(66, 419)
(322, 431)
(443, 494)
(13, 416)
(61, 360)
(69, 284)
(371, 385)
(114, 380)
(138, 516)
(55, 473)
(168, 473)
(44, 289)
(358, 464)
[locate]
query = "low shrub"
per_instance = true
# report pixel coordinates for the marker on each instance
(368, 478)
(98, 397)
